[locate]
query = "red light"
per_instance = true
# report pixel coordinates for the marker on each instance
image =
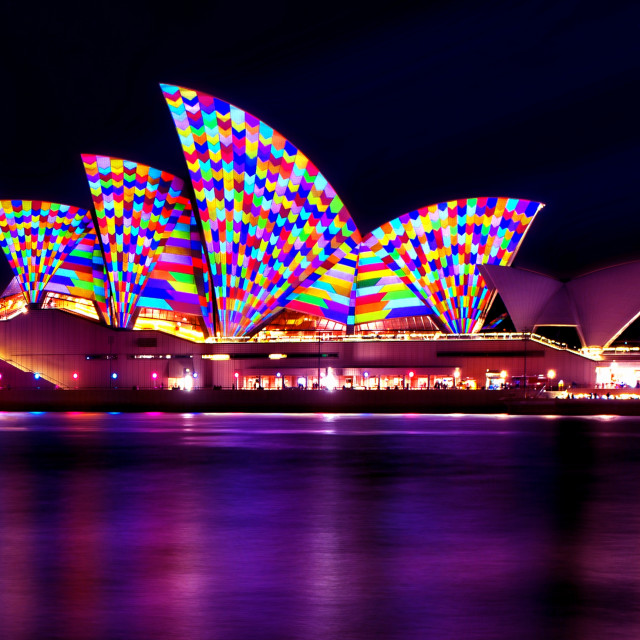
(411, 374)
(75, 376)
(154, 375)
(236, 374)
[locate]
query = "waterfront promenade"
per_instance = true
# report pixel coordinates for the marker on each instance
(299, 401)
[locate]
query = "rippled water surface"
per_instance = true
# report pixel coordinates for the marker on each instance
(318, 526)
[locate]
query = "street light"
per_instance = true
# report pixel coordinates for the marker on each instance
(551, 374)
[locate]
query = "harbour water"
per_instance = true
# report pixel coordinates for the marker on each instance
(282, 527)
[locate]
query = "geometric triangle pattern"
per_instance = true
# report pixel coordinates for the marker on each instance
(270, 219)
(136, 209)
(435, 251)
(37, 237)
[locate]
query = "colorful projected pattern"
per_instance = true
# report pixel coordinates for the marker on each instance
(74, 276)
(101, 289)
(82, 275)
(37, 237)
(207, 296)
(329, 294)
(137, 208)
(172, 284)
(381, 293)
(270, 219)
(434, 251)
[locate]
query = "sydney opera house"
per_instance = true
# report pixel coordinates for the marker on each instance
(259, 277)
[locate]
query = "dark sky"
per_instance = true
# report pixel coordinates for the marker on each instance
(399, 108)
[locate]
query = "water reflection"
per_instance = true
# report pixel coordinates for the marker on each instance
(240, 526)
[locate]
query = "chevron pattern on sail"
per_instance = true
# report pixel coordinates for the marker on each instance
(37, 237)
(172, 286)
(435, 251)
(327, 294)
(381, 293)
(137, 208)
(270, 218)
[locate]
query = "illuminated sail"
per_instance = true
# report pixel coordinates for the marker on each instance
(329, 295)
(271, 221)
(37, 237)
(137, 208)
(74, 277)
(435, 252)
(82, 275)
(173, 285)
(381, 293)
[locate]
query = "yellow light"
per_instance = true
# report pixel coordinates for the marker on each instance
(503, 375)
(277, 356)
(551, 374)
(216, 356)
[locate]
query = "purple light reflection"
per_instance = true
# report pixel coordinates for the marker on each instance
(264, 527)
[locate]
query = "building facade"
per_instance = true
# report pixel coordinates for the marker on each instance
(261, 280)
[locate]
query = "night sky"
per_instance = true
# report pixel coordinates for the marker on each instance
(400, 108)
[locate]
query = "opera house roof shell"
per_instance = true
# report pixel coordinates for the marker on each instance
(268, 233)
(600, 304)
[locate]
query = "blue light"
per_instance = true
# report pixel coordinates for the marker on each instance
(114, 375)
(195, 375)
(36, 376)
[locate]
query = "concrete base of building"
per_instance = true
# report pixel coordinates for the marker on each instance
(298, 401)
